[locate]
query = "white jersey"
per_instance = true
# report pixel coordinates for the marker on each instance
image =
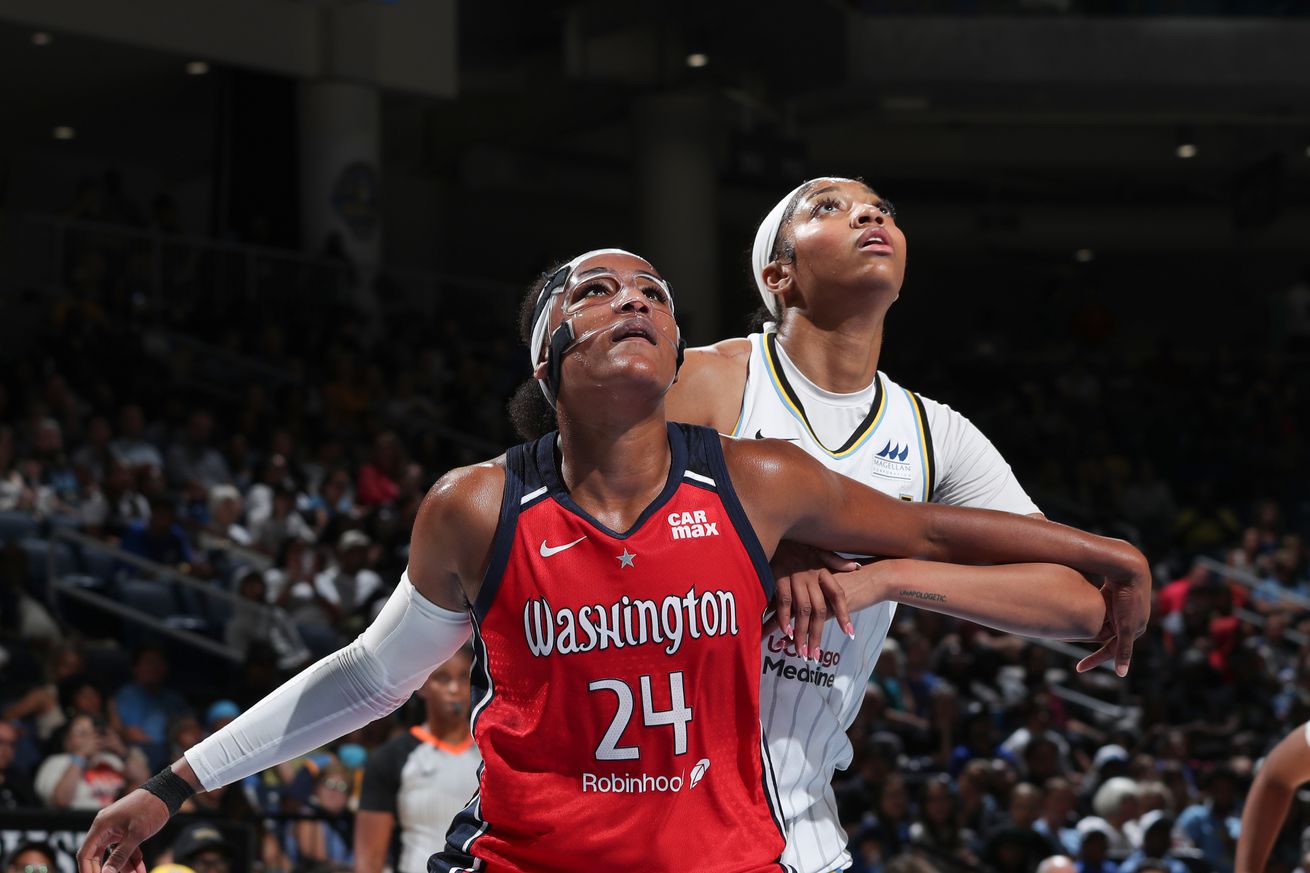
(905, 446)
(424, 783)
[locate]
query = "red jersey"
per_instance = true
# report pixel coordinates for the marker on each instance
(616, 681)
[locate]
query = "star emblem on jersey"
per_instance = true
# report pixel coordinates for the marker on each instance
(547, 551)
(625, 559)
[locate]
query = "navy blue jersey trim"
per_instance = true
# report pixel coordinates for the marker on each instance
(709, 440)
(482, 688)
(469, 825)
(516, 462)
(465, 829)
(769, 781)
(545, 461)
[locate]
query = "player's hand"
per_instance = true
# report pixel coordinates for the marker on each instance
(806, 594)
(1128, 609)
(122, 827)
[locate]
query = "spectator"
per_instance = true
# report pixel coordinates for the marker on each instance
(379, 479)
(327, 838)
(132, 448)
(143, 709)
(15, 788)
(42, 704)
(1212, 825)
(15, 493)
(1094, 835)
(113, 504)
(225, 516)
(1115, 805)
(936, 832)
(1016, 845)
(274, 476)
(333, 505)
(193, 458)
(86, 774)
(94, 456)
(202, 847)
(220, 714)
(81, 695)
(1038, 720)
(349, 585)
(255, 621)
(283, 522)
(160, 539)
(48, 472)
(1157, 847)
(978, 808)
(33, 857)
(422, 778)
(1056, 822)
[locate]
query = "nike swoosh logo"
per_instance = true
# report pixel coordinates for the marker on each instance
(759, 435)
(547, 551)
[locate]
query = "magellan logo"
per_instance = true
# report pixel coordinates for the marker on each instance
(890, 462)
(692, 525)
(894, 452)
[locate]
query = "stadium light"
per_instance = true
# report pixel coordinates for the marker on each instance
(197, 68)
(1084, 256)
(696, 60)
(1186, 150)
(63, 131)
(41, 38)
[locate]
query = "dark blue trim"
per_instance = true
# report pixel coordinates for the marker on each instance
(931, 472)
(516, 461)
(481, 686)
(466, 824)
(728, 494)
(545, 458)
(463, 827)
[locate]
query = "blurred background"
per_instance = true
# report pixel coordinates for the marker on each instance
(259, 268)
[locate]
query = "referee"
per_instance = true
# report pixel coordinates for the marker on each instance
(421, 778)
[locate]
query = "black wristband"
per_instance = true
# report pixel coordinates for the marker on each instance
(170, 788)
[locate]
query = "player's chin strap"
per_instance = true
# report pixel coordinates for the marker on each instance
(563, 340)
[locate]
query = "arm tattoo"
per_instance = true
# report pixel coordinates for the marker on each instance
(923, 595)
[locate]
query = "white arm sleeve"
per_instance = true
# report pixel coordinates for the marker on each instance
(970, 471)
(366, 680)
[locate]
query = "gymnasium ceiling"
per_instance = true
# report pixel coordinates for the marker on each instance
(1024, 115)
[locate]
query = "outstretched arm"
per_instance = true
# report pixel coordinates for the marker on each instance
(423, 623)
(1033, 600)
(830, 511)
(1286, 767)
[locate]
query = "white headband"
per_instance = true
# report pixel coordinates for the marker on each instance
(538, 345)
(766, 237)
(540, 337)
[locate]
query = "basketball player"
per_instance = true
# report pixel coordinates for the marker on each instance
(1285, 768)
(828, 261)
(422, 778)
(615, 576)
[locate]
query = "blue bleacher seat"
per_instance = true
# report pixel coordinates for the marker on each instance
(63, 522)
(37, 552)
(16, 526)
(158, 600)
(96, 563)
(153, 598)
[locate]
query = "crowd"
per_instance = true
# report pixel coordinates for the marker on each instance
(294, 487)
